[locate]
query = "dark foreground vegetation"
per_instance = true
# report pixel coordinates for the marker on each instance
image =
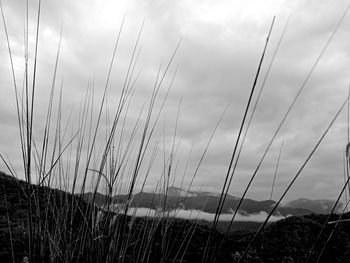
(64, 233)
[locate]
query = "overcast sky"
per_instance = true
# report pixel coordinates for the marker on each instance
(216, 63)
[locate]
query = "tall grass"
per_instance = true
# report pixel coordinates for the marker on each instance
(58, 161)
(70, 156)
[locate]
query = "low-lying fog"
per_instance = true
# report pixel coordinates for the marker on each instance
(197, 214)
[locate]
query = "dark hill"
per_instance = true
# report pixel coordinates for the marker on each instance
(56, 218)
(63, 232)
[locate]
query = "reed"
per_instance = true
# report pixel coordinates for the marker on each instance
(95, 151)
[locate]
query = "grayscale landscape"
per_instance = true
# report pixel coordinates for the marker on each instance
(174, 131)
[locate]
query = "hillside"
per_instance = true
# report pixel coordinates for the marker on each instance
(203, 201)
(53, 211)
(148, 239)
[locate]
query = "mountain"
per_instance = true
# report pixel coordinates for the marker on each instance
(174, 191)
(321, 206)
(66, 235)
(207, 202)
(177, 191)
(100, 199)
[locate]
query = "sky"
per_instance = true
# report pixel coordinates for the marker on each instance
(214, 68)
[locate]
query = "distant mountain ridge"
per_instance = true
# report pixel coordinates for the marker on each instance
(177, 198)
(290, 238)
(287, 240)
(320, 206)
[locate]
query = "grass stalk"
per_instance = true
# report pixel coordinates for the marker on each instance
(227, 178)
(294, 179)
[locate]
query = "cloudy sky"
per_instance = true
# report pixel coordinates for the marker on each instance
(221, 45)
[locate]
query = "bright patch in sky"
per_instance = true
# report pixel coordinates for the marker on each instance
(215, 65)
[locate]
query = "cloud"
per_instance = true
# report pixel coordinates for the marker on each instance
(200, 215)
(217, 61)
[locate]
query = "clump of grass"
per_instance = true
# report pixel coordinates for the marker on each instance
(62, 227)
